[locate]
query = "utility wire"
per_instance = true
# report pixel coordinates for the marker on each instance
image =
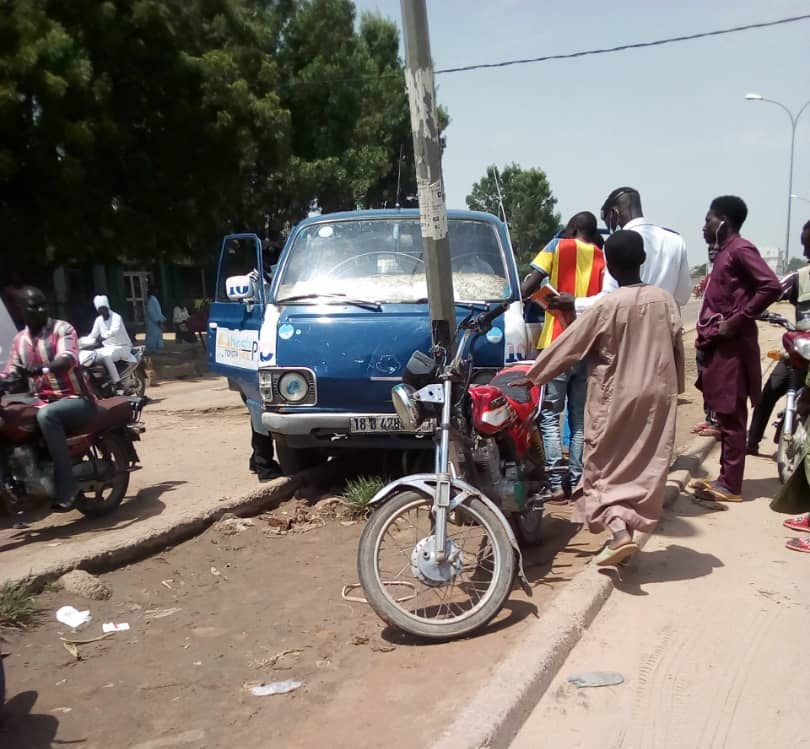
(622, 47)
(565, 56)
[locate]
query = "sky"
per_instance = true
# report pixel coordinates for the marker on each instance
(670, 121)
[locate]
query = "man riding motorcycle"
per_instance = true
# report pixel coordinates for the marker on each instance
(46, 350)
(109, 329)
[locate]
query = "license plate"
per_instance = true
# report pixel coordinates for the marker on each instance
(383, 423)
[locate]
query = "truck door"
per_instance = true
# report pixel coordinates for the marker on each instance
(237, 312)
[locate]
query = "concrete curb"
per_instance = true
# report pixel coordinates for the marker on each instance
(152, 541)
(511, 692)
(498, 710)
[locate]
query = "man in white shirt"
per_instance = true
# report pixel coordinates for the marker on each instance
(109, 329)
(667, 264)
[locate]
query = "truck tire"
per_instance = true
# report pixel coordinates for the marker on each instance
(296, 459)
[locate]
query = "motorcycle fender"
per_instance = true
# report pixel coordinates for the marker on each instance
(424, 483)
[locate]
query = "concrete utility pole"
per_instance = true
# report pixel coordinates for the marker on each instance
(428, 157)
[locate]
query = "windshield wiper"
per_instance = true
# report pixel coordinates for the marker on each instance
(376, 306)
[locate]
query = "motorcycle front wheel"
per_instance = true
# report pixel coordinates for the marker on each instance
(435, 601)
(791, 450)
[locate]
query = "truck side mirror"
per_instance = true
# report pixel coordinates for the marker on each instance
(240, 289)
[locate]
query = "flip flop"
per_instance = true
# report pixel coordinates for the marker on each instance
(709, 504)
(799, 544)
(700, 484)
(800, 523)
(700, 427)
(710, 431)
(611, 557)
(717, 492)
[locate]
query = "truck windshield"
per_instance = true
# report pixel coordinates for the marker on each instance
(382, 260)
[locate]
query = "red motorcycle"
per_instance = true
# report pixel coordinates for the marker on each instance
(103, 454)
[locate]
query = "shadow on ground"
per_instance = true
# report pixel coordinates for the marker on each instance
(21, 727)
(146, 504)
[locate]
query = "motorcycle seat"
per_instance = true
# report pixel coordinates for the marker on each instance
(112, 413)
(517, 394)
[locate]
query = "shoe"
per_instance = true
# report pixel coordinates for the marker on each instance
(716, 492)
(800, 523)
(558, 497)
(273, 471)
(752, 450)
(64, 505)
(799, 544)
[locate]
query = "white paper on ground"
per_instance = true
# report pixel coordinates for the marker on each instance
(110, 627)
(71, 617)
(276, 687)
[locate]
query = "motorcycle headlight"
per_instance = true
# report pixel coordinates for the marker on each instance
(293, 387)
(406, 407)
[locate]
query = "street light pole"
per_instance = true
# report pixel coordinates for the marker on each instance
(427, 151)
(794, 120)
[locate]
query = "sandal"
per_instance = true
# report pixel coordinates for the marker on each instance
(611, 557)
(700, 427)
(710, 431)
(700, 484)
(799, 544)
(716, 492)
(800, 523)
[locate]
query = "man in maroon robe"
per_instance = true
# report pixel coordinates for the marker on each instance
(740, 289)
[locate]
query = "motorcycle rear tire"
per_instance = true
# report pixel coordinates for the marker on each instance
(392, 613)
(112, 448)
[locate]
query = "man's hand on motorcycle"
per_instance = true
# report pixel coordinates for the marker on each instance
(562, 301)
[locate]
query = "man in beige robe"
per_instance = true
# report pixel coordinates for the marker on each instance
(632, 344)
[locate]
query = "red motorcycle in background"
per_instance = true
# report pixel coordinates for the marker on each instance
(103, 453)
(439, 553)
(793, 425)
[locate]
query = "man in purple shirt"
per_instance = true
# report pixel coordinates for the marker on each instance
(741, 288)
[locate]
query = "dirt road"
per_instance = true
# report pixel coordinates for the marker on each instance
(709, 631)
(177, 679)
(209, 616)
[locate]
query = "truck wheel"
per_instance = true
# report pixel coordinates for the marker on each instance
(296, 459)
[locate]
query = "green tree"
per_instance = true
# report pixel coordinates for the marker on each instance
(796, 263)
(150, 127)
(527, 201)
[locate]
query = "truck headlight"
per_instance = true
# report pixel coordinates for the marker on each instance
(293, 387)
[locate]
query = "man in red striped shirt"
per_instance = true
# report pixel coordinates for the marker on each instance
(574, 265)
(46, 350)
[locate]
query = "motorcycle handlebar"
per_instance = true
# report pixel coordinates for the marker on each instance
(484, 321)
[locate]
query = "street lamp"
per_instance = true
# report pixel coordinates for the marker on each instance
(794, 119)
(799, 197)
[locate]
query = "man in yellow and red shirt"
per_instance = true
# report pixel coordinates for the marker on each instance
(46, 350)
(573, 264)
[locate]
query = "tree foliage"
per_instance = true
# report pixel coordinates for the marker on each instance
(527, 201)
(146, 127)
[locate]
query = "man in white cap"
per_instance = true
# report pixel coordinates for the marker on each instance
(110, 331)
